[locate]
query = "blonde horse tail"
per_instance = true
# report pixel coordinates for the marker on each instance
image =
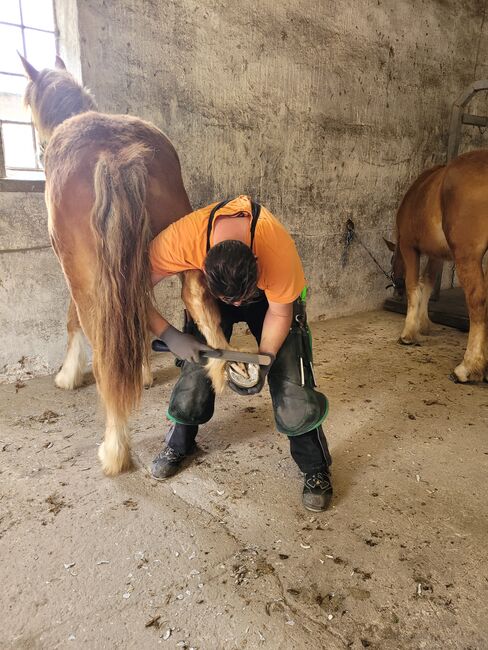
(203, 309)
(123, 292)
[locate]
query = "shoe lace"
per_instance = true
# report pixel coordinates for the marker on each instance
(318, 480)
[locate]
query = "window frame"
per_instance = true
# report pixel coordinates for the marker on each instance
(24, 184)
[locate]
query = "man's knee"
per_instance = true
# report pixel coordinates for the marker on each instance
(298, 406)
(297, 409)
(193, 397)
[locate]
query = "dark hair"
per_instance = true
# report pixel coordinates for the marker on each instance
(231, 271)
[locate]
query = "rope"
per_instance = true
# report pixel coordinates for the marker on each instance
(5, 251)
(351, 234)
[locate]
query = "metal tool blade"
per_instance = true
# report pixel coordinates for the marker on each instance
(225, 355)
(238, 357)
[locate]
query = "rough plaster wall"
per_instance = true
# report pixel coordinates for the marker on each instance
(33, 293)
(322, 111)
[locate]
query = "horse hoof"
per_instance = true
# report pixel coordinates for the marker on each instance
(464, 377)
(468, 375)
(115, 459)
(403, 341)
(66, 382)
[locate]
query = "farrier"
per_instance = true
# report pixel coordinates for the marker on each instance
(252, 268)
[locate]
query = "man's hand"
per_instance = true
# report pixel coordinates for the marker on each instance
(184, 346)
(253, 390)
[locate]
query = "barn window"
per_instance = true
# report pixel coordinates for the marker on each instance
(26, 26)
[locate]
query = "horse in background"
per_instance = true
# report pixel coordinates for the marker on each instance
(444, 215)
(113, 182)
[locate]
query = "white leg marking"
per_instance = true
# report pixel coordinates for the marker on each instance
(71, 374)
(114, 452)
(473, 365)
(424, 320)
(411, 328)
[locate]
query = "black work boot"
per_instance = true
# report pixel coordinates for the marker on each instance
(317, 491)
(166, 463)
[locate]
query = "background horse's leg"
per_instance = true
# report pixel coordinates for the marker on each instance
(71, 374)
(472, 279)
(410, 332)
(429, 276)
(203, 308)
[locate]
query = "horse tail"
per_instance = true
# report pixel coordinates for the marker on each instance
(123, 289)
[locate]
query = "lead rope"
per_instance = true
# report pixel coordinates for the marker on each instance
(351, 234)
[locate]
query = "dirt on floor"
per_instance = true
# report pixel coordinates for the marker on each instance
(223, 555)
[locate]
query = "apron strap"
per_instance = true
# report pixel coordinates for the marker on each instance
(255, 211)
(211, 219)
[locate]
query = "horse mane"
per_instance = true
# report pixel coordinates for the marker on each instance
(53, 98)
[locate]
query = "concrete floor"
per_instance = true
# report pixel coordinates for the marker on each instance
(223, 556)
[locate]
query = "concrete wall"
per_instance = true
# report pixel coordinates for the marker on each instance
(321, 110)
(33, 293)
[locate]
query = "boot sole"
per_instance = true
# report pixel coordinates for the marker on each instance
(312, 509)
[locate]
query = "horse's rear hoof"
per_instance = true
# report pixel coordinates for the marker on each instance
(403, 341)
(468, 374)
(67, 381)
(468, 382)
(115, 459)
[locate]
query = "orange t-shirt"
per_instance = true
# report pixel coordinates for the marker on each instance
(183, 246)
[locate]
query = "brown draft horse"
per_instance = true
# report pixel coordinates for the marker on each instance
(112, 183)
(444, 215)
